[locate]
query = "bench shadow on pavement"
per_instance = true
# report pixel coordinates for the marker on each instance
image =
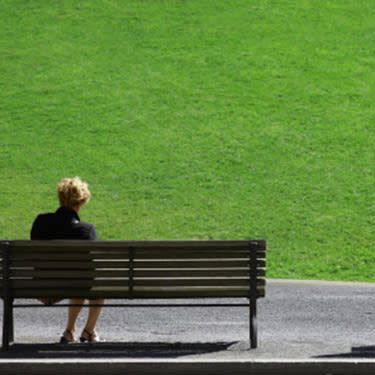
(357, 352)
(113, 350)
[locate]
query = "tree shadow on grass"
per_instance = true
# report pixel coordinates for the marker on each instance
(113, 350)
(357, 352)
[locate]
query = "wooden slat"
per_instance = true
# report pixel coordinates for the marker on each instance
(114, 250)
(146, 264)
(261, 254)
(139, 247)
(191, 272)
(260, 244)
(110, 294)
(75, 256)
(201, 272)
(223, 282)
(65, 283)
(154, 252)
(53, 252)
(183, 292)
(120, 292)
(187, 263)
(184, 254)
(105, 273)
(189, 282)
(68, 274)
(71, 265)
(146, 292)
(138, 254)
(235, 272)
(168, 282)
(151, 245)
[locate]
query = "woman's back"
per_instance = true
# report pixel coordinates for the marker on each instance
(62, 224)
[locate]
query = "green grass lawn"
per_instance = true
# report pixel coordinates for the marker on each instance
(227, 119)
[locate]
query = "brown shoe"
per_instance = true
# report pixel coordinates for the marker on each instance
(67, 337)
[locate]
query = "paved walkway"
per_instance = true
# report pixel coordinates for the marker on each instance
(310, 326)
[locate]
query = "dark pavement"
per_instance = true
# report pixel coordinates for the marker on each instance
(315, 326)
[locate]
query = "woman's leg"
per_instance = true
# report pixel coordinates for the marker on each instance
(93, 315)
(73, 313)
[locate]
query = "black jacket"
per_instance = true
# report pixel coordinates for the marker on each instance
(64, 224)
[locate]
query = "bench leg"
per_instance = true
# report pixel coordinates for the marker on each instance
(7, 323)
(11, 322)
(253, 324)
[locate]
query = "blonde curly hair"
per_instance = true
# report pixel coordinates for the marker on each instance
(73, 192)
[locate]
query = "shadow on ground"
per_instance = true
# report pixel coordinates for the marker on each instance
(357, 352)
(111, 349)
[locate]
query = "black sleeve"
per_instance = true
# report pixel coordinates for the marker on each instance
(92, 233)
(83, 231)
(35, 233)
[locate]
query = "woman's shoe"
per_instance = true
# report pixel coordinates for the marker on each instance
(67, 337)
(90, 337)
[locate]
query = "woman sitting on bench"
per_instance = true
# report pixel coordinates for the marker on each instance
(65, 224)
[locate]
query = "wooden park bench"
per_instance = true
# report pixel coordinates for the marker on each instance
(129, 270)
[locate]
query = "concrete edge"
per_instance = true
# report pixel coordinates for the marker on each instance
(319, 283)
(185, 361)
(183, 367)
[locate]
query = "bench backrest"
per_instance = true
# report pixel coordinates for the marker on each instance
(132, 269)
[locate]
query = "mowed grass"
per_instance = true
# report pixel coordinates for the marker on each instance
(227, 119)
